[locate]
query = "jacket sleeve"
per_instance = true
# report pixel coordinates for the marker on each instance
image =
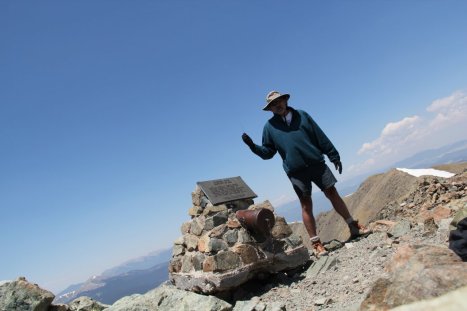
(267, 150)
(324, 144)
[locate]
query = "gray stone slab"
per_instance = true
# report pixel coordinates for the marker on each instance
(322, 265)
(225, 190)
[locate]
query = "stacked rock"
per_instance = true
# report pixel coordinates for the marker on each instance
(215, 253)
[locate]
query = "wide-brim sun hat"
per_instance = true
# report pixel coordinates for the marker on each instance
(272, 96)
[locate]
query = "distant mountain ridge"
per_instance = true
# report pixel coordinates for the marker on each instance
(140, 263)
(135, 276)
(452, 153)
(128, 283)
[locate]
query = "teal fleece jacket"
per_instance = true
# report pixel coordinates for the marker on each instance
(301, 144)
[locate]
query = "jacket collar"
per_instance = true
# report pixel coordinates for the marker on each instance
(277, 121)
(279, 118)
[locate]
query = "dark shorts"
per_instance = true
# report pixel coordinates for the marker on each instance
(319, 174)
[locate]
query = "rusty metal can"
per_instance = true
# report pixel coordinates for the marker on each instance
(259, 221)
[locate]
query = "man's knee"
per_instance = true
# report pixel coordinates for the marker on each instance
(305, 202)
(305, 199)
(331, 192)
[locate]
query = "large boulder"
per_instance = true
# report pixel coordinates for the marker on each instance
(20, 295)
(452, 301)
(417, 272)
(168, 298)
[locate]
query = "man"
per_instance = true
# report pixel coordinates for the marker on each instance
(301, 144)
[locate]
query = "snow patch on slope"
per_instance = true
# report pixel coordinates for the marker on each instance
(417, 172)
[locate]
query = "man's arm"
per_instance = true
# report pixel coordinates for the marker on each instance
(266, 151)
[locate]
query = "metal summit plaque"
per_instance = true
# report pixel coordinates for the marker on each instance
(227, 189)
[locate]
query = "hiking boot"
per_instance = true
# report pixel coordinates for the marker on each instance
(318, 249)
(357, 229)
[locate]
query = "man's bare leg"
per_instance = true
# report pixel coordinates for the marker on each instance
(337, 203)
(307, 215)
(310, 225)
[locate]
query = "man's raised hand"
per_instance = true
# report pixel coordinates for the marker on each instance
(247, 140)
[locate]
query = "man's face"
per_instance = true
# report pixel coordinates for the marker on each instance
(279, 106)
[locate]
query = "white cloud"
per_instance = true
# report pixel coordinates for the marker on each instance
(458, 98)
(446, 122)
(401, 126)
(449, 110)
(392, 133)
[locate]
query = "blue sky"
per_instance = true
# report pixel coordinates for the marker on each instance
(111, 111)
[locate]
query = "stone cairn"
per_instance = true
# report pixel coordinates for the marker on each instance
(216, 253)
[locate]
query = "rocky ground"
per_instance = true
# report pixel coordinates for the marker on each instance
(344, 285)
(349, 272)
